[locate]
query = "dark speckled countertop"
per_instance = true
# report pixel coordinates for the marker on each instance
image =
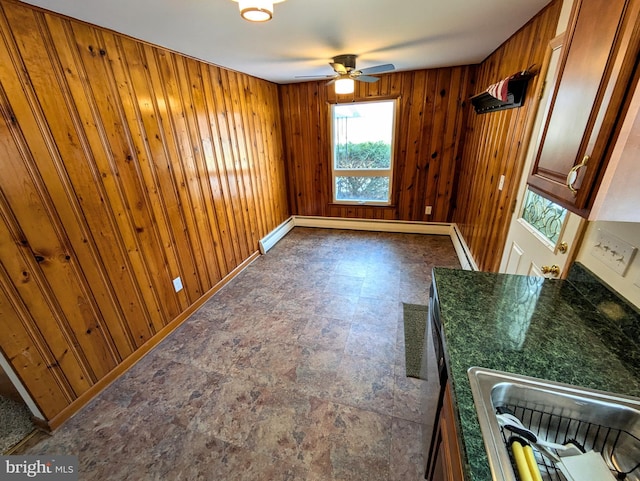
(574, 331)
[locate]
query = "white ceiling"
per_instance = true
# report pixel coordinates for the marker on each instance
(304, 35)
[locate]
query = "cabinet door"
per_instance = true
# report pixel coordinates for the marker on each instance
(450, 447)
(447, 461)
(597, 63)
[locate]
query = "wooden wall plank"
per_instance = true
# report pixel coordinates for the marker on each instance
(20, 348)
(75, 301)
(124, 166)
(30, 295)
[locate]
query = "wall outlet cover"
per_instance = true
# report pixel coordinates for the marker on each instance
(177, 284)
(613, 251)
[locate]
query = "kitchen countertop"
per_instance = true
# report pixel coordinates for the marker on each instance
(573, 331)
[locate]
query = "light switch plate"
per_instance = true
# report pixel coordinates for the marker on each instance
(614, 252)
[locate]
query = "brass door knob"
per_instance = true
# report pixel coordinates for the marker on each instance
(563, 247)
(554, 270)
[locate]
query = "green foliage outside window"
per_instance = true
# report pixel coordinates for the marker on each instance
(366, 155)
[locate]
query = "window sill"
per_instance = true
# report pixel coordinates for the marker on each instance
(362, 204)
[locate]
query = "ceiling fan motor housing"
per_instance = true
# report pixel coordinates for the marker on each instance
(348, 60)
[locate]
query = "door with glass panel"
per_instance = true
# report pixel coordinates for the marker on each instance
(543, 236)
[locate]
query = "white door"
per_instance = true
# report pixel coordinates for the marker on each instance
(543, 237)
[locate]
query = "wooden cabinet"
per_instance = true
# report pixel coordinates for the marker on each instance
(446, 464)
(618, 196)
(595, 73)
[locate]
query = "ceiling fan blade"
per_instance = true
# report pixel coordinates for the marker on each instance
(365, 78)
(378, 68)
(338, 67)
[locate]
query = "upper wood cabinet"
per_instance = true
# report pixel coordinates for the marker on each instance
(595, 72)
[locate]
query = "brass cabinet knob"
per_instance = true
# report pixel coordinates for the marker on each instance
(563, 247)
(554, 270)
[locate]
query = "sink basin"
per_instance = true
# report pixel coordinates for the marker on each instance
(603, 422)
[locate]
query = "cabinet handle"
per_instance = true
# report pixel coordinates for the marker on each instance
(572, 176)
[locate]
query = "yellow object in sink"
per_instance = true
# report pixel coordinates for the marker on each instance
(525, 461)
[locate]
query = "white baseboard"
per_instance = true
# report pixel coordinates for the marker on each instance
(273, 237)
(374, 225)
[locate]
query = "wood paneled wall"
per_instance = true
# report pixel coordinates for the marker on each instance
(495, 143)
(430, 125)
(123, 166)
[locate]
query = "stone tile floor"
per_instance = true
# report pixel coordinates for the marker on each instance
(293, 371)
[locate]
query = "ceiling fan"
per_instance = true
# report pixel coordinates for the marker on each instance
(345, 68)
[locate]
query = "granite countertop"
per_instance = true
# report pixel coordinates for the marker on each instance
(574, 331)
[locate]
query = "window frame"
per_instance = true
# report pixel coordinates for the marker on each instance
(386, 173)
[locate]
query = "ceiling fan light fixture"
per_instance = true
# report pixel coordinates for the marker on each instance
(256, 10)
(344, 85)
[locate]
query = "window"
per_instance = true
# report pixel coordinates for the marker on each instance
(362, 149)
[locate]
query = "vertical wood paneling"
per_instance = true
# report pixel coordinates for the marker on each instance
(493, 143)
(49, 388)
(124, 166)
(429, 130)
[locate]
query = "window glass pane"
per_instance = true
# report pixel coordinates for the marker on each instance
(362, 163)
(543, 215)
(362, 135)
(353, 188)
(365, 155)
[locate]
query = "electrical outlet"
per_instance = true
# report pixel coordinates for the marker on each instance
(614, 252)
(427, 210)
(177, 284)
(501, 183)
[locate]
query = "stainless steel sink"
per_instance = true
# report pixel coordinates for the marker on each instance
(604, 422)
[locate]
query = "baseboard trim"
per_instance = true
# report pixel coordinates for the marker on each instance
(143, 350)
(374, 225)
(273, 237)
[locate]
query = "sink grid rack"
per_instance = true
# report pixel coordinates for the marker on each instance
(560, 429)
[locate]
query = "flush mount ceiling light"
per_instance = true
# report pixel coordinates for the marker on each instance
(256, 10)
(345, 85)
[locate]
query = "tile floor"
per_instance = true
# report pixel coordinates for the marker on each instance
(293, 371)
